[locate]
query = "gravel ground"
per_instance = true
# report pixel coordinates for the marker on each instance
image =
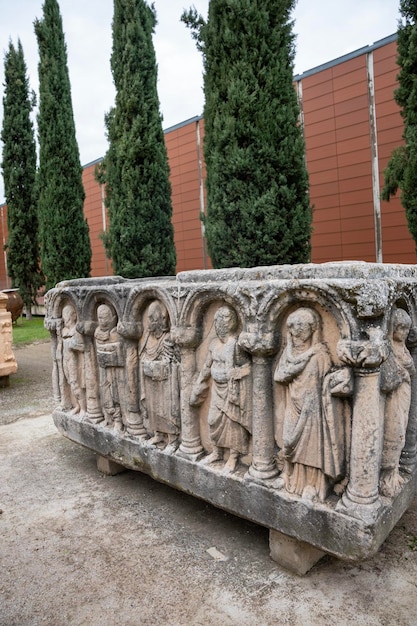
(79, 548)
(30, 390)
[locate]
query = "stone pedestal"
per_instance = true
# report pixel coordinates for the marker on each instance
(296, 556)
(8, 364)
(109, 467)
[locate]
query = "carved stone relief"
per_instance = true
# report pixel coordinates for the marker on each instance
(159, 379)
(395, 381)
(226, 372)
(276, 393)
(312, 418)
(71, 362)
(111, 360)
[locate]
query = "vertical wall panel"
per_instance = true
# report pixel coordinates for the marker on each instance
(398, 246)
(184, 146)
(93, 211)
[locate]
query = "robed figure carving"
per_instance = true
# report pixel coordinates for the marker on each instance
(229, 415)
(159, 380)
(111, 360)
(311, 422)
(395, 380)
(73, 367)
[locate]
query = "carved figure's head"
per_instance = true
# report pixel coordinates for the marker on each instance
(304, 325)
(400, 324)
(225, 321)
(158, 318)
(69, 315)
(105, 317)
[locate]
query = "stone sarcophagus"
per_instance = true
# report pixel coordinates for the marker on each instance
(285, 395)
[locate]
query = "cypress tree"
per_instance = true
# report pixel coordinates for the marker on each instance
(19, 173)
(401, 171)
(140, 239)
(64, 235)
(258, 210)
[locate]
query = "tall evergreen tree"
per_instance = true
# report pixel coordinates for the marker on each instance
(401, 172)
(64, 235)
(140, 239)
(19, 173)
(258, 208)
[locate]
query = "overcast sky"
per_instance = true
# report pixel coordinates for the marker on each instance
(325, 30)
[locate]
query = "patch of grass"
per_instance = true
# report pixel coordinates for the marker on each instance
(28, 331)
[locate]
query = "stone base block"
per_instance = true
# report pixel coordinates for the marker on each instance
(4, 382)
(108, 467)
(314, 523)
(296, 556)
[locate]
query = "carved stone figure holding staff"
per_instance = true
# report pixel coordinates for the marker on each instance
(229, 416)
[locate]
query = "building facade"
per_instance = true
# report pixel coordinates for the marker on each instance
(351, 125)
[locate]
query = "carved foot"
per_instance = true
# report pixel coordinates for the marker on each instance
(157, 438)
(172, 446)
(309, 493)
(231, 464)
(118, 425)
(391, 482)
(216, 455)
(278, 483)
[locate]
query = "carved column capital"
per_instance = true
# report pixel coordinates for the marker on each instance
(185, 336)
(129, 330)
(51, 323)
(258, 342)
(87, 327)
(367, 354)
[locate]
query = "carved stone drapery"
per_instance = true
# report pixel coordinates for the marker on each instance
(259, 390)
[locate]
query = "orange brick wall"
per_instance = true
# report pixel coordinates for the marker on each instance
(97, 221)
(338, 151)
(185, 154)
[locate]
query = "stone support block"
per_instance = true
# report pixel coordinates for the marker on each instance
(108, 467)
(296, 556)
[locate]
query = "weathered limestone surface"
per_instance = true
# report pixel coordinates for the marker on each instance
(285, 395)
(8, 363)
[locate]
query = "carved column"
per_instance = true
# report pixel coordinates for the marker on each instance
(131, 332)
(190, 447)
(361, 498)
(261, 346)
(94, 412)
(52, 324)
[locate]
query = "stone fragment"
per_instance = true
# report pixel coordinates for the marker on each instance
(8, 364)
(216, 554)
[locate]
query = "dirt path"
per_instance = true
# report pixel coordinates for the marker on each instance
(78, 548)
